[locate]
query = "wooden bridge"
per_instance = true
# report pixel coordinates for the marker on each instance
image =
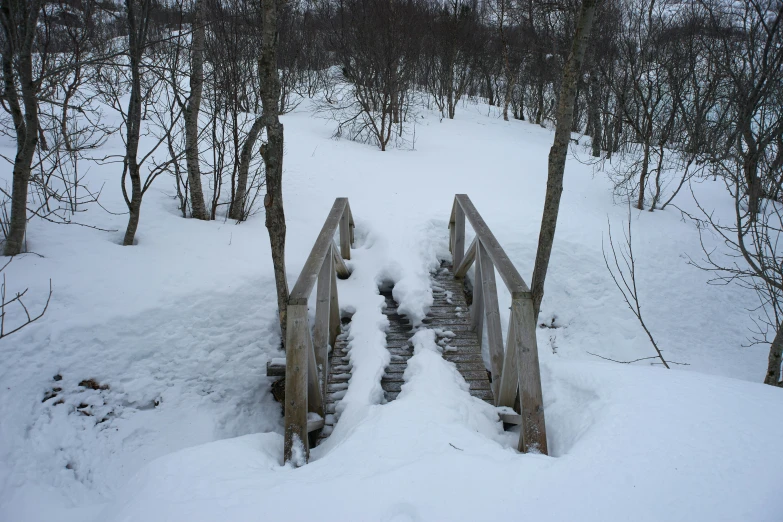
(317, 368)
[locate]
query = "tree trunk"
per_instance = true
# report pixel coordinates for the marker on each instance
(238, 209)
(19, 51)
(138, 20)
(272, 153)
(595, 114)
(645, 167)
(134, 208)
(559, 150)
(540, 101)
(490, 93)
(509, 87)
(197, 204)
(754, 187)
(775, 352)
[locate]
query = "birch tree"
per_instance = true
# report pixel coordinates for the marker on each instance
(559, 150)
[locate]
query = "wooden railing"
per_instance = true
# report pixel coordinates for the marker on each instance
(516, 367)
(307, 352)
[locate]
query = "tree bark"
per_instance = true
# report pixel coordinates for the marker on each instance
(559, 150)
(775, 353)
(540, 101)
(18, 55)
(645, 170)
(272, 153)
(197, 204)
(595, 113)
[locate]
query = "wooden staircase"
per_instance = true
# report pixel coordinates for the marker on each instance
(317, 377)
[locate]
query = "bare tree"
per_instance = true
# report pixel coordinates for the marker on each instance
(624, 277)
(559, 150)
(196, 76)
(272, 152)
(377, 64)
(130, 74)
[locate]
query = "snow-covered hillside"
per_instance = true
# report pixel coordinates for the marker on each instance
(178, 422)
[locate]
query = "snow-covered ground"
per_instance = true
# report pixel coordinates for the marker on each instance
(176, 333)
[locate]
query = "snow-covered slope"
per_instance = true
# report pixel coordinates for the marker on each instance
(178, 331)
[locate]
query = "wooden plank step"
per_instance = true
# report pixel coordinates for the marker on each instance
(454, 300)
(445, 322)
(315, 424)
(464, 357)
(511, 418)
(398, 336)
(461, 340)
(397, 318)
(447, 311)
(484, 395)
(474, 375)
(452, 325)
(470, 367)
(275, 367)
(480, 384)
(405, 351)
(392, 386)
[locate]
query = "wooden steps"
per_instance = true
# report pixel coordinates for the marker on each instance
(450, 317)
(339, 377)
(398, 343)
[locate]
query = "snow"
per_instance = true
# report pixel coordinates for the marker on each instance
(618, 450)
(180, 328)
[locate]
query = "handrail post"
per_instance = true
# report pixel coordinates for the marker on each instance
(458, 251)
(492, 316)
(315, 399)
(296, 369)
(334, 309)
(532, 436)
(477, 310)
(322, 315)
(346, 234)
(509, 380)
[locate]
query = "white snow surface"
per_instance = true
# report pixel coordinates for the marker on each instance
(177, 330)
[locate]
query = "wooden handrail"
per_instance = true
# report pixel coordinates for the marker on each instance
(339, 217)
(508, 272)
(515, 369)
(307, 352)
